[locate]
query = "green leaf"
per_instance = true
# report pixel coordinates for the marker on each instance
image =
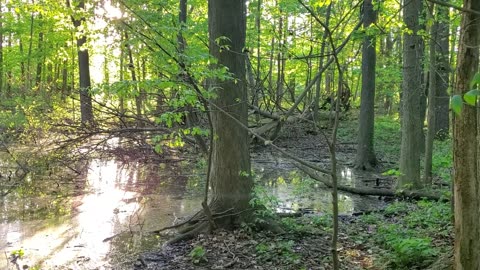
(475, 80)
(471, 96)
(456, 104)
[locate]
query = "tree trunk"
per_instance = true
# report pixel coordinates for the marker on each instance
(432, 88)
(466, 147)
(1, 50)
(413, 92)
(230, 169)
(316, 102)
(280, 62)
(86, 109)
(443, 70)
(131, 67)
(365, 158)
(258, 81)
(41, 60)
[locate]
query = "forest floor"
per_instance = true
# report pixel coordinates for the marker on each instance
(404, 235)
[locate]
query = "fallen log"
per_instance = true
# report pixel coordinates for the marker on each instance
(417, 195)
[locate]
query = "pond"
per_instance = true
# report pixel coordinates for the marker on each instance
(101, 218)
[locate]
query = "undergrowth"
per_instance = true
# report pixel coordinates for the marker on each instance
(406, 235)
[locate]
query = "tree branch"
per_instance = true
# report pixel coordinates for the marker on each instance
(455, 7)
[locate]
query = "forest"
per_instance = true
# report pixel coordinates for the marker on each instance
(239, 134)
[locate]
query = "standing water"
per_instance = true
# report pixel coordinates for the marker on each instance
(103, 219)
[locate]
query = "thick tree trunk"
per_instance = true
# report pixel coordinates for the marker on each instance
(230, 169)
(466, 148)
(413, 92)
(365, 158)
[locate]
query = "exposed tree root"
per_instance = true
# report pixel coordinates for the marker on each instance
(192, 231)
(200, 223)
(374, 191)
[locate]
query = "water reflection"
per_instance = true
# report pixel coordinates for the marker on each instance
(117, 198)
(126, 200)
(295, 192)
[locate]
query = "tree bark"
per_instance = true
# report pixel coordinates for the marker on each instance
(466, 148)
(86, 109)
(442, 119)
(41, 60)
(230, 169)
(316, 102)
(432, 88)
(133, 73)
(413, 92)
(365, 158)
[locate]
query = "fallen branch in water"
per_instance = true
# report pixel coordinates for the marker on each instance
(430, 195)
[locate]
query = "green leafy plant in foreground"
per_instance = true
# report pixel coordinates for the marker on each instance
(404, 234)
(411, 252)
(198, 255)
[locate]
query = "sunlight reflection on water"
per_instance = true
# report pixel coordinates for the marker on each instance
(105, 210)
(124, 197)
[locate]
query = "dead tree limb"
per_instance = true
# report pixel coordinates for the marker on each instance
(417, 195)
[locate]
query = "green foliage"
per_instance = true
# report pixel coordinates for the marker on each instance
(475, 82)
(392, 172)
(397, 208)
(411, 252)
(456, 102)
(370, 218)
(198, 255)
(442, 161)
(265, 205)
(323, 221)
(406, 232)
(291, 224)
(18, 253)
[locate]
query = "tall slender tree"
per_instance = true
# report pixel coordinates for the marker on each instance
(365, 158)
(443, 69)
(412, 95)
(86, 109)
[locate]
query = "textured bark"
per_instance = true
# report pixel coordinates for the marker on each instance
(230, 172)
(432, 87)
(365, 158)
(86, 109)
(466, 148)
(442, 120)
(412, 94)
